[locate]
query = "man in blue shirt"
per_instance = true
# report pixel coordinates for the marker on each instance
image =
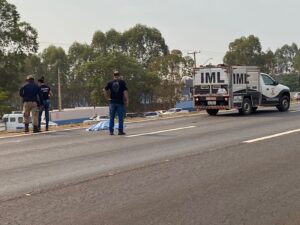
(30, 93)
(118, 98)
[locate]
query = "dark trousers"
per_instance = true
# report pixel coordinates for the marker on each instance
(113, 110)
(46, 107)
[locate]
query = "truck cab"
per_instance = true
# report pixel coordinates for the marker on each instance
(274, 93)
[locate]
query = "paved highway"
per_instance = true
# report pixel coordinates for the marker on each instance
(198, 169)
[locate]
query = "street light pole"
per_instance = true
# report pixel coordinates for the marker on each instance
(206, 61)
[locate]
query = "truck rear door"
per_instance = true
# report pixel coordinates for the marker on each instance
(211, 88)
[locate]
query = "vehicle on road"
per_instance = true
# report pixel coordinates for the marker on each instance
(135, 115)
(160, 112)
(175, 110)
(237, 87)
(296, 96)
(152, 115)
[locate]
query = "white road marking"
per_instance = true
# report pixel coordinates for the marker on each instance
(272, 136)
(160, 131)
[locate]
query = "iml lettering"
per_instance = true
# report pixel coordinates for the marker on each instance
(211, 78)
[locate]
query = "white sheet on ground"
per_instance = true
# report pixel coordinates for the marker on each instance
(103, 125)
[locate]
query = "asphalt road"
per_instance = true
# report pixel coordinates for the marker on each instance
(191, 170)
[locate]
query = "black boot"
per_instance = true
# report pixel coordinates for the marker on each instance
(35, 129)
(121, 132)
(26, 128)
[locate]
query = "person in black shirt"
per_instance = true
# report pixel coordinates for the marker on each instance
(118, 98)
(46, 94)
(31, 97)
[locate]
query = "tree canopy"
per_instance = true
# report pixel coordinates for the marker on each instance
(244, 51)
(17, 40)
(16, 37)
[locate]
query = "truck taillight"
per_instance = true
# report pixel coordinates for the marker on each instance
(226, 99)
(197, 99)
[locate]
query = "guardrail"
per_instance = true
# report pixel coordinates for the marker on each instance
(2, 127)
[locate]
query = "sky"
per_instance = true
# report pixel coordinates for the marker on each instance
(207, 26)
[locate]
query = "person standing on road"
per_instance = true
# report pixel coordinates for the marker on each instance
(46, 94)
(30, 92)
(118, 100)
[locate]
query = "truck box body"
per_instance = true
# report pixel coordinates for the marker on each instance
(228, 87)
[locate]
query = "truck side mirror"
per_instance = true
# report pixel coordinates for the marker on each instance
(275, 83)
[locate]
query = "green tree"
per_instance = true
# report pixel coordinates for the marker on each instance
(3, 103)
(54, 63)
(284, 57)
(268, 59)
(144, 43)
(244, 51)
(15, 36)
(297, 65)
(140, 42)
(33, 65)
(17, 39)
(297, 61)
(99, 43)
(291, 80)
(170, 69)
(114, 41)
(111, 41)
(99, 71)
(78, 55)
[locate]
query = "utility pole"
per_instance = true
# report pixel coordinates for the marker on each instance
(194, 53)
(59, 89)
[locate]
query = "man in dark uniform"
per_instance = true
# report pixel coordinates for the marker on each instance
(118, 98)
(46, 94)
(30, 92)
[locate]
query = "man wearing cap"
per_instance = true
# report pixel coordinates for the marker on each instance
(118, 98)
(30, 92)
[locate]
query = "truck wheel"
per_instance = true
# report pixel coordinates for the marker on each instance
(212, 112)
(284, 103)
(246, 107)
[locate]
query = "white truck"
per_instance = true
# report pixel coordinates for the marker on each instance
(237, 87)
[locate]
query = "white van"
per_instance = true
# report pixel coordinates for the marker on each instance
(14, 121)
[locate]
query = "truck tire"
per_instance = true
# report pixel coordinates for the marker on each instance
(284, 103)
(246, 107)
(212, 112)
